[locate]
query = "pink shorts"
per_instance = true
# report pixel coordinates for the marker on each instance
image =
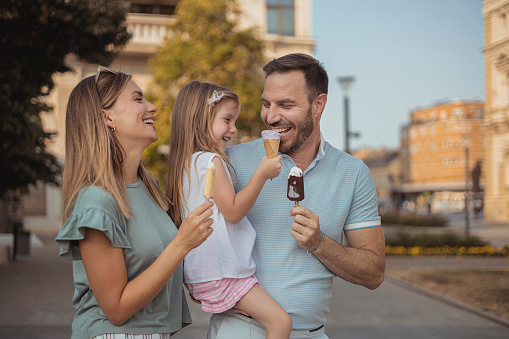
(220, 295)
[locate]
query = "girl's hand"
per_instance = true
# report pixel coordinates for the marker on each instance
(270, 168)
(195, 228)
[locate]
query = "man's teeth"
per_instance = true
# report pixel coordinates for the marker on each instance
(280, 130)
(148, 121)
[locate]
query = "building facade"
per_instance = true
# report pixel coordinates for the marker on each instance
(285, 27)
(385, 166)
(440, 149)
(496, 124)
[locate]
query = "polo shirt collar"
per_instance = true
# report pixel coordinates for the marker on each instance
(319, 155)
(321, 150)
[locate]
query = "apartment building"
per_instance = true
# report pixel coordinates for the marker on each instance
(440, 148)
(496, 120)
(286, 28)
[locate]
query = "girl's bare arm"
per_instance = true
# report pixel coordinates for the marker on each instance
(234, 206)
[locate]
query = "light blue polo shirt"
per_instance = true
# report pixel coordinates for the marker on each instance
(339, 189)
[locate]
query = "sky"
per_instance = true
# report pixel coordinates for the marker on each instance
(403, 54)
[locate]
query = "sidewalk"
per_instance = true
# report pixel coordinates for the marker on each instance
(36, 293)
(496, 233)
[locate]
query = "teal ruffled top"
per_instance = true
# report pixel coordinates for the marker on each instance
(142, 239)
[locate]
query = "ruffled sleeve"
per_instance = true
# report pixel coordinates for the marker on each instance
(74, 230)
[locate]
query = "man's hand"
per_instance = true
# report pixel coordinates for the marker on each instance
(305, 228)
(361, 263)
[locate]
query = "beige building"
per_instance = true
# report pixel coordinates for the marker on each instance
(286, 28)
(496, 121)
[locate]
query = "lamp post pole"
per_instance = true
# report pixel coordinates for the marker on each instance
(467, 172)
(465, 128)
(345, 83)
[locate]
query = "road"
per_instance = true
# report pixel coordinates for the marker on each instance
(36, 293)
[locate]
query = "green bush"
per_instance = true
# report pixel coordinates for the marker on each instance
(414, 220)
(406, 239)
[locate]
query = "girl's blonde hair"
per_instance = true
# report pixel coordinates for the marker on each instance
(93, 155)
(191, 131)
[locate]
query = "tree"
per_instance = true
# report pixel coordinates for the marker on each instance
(37, 36)
(207, 44)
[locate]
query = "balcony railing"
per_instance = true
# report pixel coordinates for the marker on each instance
(148, 28)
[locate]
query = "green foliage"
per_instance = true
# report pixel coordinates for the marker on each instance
(207, 44)
(37, 36)
(406, 239)
(414, 220)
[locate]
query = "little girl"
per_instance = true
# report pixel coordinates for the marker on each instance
(220, 272)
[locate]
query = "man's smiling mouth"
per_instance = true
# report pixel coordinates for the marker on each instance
(281, 131)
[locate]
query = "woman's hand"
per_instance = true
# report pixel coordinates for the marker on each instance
(195, 228)
(105, 266)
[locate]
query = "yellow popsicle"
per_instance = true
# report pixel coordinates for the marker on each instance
(210, 178)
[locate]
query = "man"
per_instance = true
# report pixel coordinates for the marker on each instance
(299, 250)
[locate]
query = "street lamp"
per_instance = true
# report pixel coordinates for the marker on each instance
(345, 83)
(466, 141)
(464, 128)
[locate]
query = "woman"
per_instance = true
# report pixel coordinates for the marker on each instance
(127, 253)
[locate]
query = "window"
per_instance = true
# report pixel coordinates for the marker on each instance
(280, 17)
(423, 131)
(478, 112)
(153, 9)
(413, 133)
(506, 169)
(458, 112)
(505, 85)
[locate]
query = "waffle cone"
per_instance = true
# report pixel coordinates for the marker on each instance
(271, 147)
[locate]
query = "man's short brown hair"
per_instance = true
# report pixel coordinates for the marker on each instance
(317, 81)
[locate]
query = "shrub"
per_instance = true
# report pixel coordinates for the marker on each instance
(404, 243)
(450, 239)
(414, 220)
(446, 250)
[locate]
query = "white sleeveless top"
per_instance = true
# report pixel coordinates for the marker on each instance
(227, 252)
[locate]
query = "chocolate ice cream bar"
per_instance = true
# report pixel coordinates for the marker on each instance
(295, 190)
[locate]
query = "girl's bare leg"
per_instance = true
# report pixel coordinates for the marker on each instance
(259, 304)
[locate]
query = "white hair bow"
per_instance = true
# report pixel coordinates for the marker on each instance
(215, 98)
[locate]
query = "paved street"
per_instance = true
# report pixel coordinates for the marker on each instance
(390, 312)
(36, 293)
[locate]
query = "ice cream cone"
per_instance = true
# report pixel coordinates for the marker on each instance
(271, 142)
(271, 147)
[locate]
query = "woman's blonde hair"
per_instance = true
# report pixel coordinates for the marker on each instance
(93, 155)
(191, 131)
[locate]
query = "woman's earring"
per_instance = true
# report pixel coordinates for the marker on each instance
(113, 129)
